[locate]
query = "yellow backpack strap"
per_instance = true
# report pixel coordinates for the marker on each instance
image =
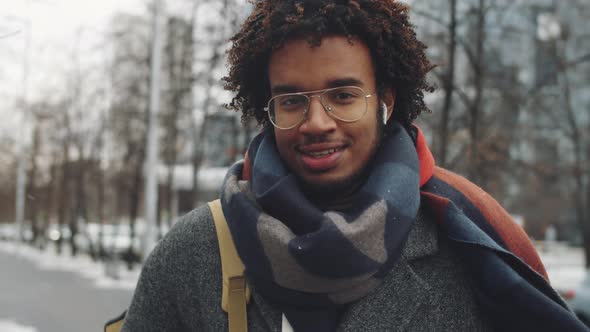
(235, 294)
(115, 324)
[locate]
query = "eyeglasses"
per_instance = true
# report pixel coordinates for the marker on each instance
(346, 103)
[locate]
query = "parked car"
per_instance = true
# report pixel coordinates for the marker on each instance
(116, 239)
(579, 299)
(7, 232)
(57, 232)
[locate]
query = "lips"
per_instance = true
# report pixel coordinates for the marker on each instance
(322, 153)
(321, 157)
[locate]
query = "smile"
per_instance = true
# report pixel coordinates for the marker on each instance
(322, 153)
(321, 157)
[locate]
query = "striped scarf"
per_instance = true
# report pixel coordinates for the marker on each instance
(298, 255)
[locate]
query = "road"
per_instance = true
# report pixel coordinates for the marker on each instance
(54, 301)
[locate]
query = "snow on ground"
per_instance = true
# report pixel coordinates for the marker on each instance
(96, 271)
(11, 326)
(564, 264)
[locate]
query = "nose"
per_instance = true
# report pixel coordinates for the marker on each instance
(317, 120)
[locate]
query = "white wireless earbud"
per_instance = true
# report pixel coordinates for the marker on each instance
(384, 109)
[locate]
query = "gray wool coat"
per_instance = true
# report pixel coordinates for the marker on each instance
(180, 287)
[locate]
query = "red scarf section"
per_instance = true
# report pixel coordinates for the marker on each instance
(425, 157)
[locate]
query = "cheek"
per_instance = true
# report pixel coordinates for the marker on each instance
(367, 139)
(283, 142)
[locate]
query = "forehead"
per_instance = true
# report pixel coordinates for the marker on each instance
(300, 66)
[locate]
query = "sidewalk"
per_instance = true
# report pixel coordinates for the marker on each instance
(44, 292)
(96, 271)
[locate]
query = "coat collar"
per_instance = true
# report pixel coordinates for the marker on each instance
(402, 291)
(423, 237)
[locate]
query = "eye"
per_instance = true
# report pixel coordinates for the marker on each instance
(344, 95)
(290, 101)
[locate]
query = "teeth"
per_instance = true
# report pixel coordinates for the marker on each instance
(321, 153)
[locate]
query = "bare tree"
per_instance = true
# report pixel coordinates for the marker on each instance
(448, 82)
(507, 121)
(129, 116)
(211, 82)
(179, 56)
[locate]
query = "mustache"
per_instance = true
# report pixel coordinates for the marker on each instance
(316, 139)
(321, 139)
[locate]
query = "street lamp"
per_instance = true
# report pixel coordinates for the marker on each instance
(151, 163)
(21, 176)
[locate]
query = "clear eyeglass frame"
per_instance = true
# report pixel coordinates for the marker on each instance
(327, 108)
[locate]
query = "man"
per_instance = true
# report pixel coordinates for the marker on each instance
(338, 213)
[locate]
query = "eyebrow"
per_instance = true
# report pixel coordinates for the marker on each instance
(345, 82)
(288, 88)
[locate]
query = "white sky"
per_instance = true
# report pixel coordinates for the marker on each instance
(54, 25)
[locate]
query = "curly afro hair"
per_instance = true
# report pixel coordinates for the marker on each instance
(383, 25)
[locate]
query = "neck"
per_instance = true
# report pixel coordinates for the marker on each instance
(333, 199)
(335, 196)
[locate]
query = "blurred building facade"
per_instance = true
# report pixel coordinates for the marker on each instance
(536, 94)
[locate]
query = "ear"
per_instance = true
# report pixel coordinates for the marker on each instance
(389, 99)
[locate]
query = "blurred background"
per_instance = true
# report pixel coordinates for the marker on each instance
(112, 125)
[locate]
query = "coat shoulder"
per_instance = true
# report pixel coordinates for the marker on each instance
(180, 284)
(189, 250)
(193, 232)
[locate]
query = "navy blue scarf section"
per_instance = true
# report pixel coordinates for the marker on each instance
(509, 292)
(297, 255)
